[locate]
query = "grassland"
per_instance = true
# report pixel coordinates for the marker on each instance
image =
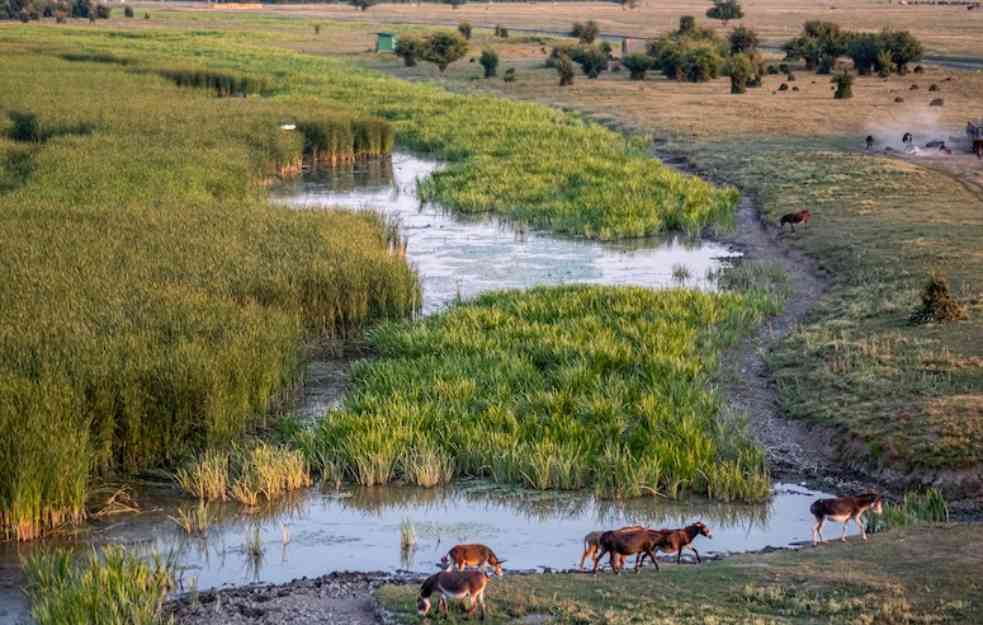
(610, 388)
(155, 303)
(906, 576)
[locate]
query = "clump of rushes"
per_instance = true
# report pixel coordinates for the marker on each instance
(938, 304)
(207, 477)
(915, 508)
(341, 138)
(223, 83)
(248, 475)
(407, 534)
(428, 466)
(557, 388)
(194, 522)
(64, 591)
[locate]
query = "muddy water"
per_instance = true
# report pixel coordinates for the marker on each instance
(318, 531)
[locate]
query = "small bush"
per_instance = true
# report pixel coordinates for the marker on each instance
(586, 32)
(26, 127)
(509, 75)
(146, 15)
(442, 49)
(741, 70)
(637, 64)
(564, 67)
(885, 64)
(317, 29)
(938, 303)
(687, 24)
(933, 87)
(408, 48)
(790, 78)
(844, 86)
(783, 87)
(825, 66)
(700, 64)
(743, 39)
(772, 70)
(725, 10)
(489, 61)
(104, 11)
(592, 61)
(783, 68)
(128, 11)
(465, 29)
(919, 69)
(501, 32)
(913, 88)
(937, 102)
(363, 5)
(898, 100)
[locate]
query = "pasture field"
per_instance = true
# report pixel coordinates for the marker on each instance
(607, 388)
(155, 303)
(906, 576)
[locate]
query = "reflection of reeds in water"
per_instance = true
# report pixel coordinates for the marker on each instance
(254, 551)
(194, 522)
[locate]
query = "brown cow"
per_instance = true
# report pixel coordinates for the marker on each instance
(842, 510)
(801, 217)
(468, 585)
(620, 544)
(477, 556)
(592, 543)
(674, 541)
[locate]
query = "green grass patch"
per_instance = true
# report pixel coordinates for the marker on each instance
(555, 388)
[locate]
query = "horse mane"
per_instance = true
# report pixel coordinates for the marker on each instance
(427, 589)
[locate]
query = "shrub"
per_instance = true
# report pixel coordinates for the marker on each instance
(687, 24)
(408, 48)
(442, 49)
(606, 48)
(592, 61)
(741, 70)
(933, 87)
(844, 86)
(637, 64)
(743, 39)
(564, 67)
(501, 32)
(937, 102)
(568, 50)
(885, 64)
(509, 75)
(104, 11)
(455, 3)
(913, 88)
(865, 50)
(783, 87)
(586, 32)
(700, 64)
(772, 70)
(363, 5)
(489, 61)
(725, 10)
(818, 39)
(938, 304)
(790, 78)
(317, 29)
(128, 11)
(82, 8)
(26, 127)
(465, 29)
(146, 15)
(904, 48)
(919, 69)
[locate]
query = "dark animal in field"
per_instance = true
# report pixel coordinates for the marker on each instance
(468, 585)
(907, 138)
(674, 541)
(477, 556)
(592, 543)
(621, 544)
(842, 510)
(801, 217)
(869, 142)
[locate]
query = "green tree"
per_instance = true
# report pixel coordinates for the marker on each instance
(637, 65)
(725, 10)
(818, 40)
(363, 4)
(564, 67)
(592, 61)
(687, 24)
(864, 50)
(700, 64)
(743, 40)
(489, 61)
(844, 86)
(442, 49)
(465, 29)
(904, 48)
(587, 32)
(741, 71)
(408, 48)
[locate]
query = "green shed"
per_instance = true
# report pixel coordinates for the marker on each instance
(385, 42)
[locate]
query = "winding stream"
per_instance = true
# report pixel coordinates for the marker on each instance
(322, 530)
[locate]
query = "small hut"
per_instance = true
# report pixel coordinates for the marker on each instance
(385, 42)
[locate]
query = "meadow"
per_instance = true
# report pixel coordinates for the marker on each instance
(554, 388)
(156, 304)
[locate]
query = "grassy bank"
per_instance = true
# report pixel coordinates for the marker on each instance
(153, 301)
(909, 576)
(610, 388)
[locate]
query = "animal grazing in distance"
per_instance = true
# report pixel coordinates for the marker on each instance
(842, 510)
(477, 556)
(801, 217)
(620, 544)
(469, 585)
(592, 543)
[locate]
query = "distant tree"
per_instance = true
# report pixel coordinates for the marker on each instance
(83, 8)
(743, 40)
(408, 48)
(638, 64)
(725, 10)
(904, 48)
(364, 5)
(587, 32)
(700, 64)
(687, 24)
(509, 75)
(317, 29)
(592, 61)
(501, 32)
(465, 29)
(864, 50)
(741, 71)
(455, 3)
(103, 11)
(844, 86)
(564, 67)
(818, 40)
(442, 49)
(885, 64)
(128, 11)
(489, 61)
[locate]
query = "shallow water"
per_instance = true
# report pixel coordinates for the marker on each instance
(318, 532)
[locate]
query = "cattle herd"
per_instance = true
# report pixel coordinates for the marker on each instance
(456, 582)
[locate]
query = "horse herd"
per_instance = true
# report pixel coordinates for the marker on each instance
(456, 582)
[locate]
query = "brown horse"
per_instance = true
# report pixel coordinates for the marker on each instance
(469, 585)
(674, 541)
(592, 543)
(621, 544)
(801, 217)
(842, 510)
(477, 556)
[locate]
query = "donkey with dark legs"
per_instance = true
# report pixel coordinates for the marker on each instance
(620, 544)
(592, 543)
(842, 510)
(674, 541)
(469, 585)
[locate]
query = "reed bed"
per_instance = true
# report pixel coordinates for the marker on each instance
(556, 388)
(222, 83)
(915, 508)
(248, 475)
(64, 591)
(154, 303)
(342, 139)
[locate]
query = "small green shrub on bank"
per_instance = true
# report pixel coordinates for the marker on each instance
(557, 388)
(93, 591)
(489, 62)
(914, 509)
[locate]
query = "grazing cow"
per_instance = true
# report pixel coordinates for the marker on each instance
(801, 217)
(842, 510)
(674, 541)
(592, 543)
(620, 544)
(477, 556)
(468, 585)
